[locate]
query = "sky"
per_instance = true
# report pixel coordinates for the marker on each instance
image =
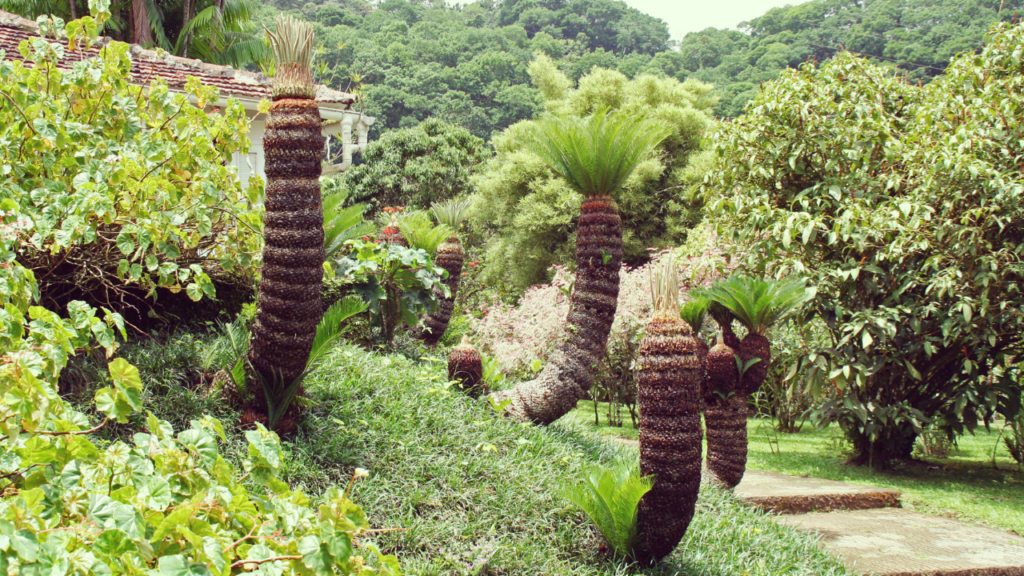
(685, 16)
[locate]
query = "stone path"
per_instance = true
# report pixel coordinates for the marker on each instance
(866, 527)
(784, 494)
(896, 542)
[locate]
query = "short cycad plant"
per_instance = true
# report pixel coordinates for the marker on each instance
(758, 305)
(451, 257)
(610, 497)
(595, 156)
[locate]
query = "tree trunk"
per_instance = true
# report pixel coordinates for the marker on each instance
(74, 9)
(141, 32)
(669, 380)
(293, 255)
(570, 371)
(726, 422)
(450, 257)
(754, 346)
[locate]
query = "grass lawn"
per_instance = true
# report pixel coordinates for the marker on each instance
(963, 486)
(464, 485)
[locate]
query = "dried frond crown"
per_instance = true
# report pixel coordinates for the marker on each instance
(293, 55)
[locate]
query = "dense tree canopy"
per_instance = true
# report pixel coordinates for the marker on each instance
(531, 213)
(918, 36)
(902, 205)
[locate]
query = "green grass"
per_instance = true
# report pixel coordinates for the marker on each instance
(963, 486)
(463, 484)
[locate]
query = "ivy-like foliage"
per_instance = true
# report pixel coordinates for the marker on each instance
(128, 187)
(902, 205)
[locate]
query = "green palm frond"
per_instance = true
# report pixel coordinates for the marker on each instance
(329, 330)
(609, 496)
(759, 304)
(595, 155)
(342, 224)
(420, 232)
(450, 212)
(694, 312)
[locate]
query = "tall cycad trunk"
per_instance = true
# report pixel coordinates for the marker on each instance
(570, 371)
(669, 379)
(289, 306)
(450, 256)
(725, 410)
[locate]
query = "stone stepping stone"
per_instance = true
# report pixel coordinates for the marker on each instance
(897, 542)
(785, 494)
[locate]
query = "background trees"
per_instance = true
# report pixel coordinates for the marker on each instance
(531, 211)
(902, 205)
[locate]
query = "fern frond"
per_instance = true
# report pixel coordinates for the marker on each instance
(329, 330)
(694, 312)
(420, 232)
(451, 212)
(610, 496)
(759, 304)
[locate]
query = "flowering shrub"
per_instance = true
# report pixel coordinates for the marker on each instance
(521, 337)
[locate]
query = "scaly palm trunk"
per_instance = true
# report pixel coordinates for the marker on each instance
(753, 346)
(141, 32)
(725, 411)
(669, 381)
(450, 256)
(570, 372)
(289, 306)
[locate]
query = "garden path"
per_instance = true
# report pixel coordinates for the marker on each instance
(865, 526)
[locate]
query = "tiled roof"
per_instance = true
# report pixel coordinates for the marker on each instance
(173, 69)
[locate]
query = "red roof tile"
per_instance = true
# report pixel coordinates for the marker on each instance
(173, 69)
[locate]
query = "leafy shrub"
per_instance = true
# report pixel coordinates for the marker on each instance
(900, 205)
(610, 496)
(416, 166)
(129, 188)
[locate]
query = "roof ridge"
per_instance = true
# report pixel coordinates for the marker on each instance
(157, 56)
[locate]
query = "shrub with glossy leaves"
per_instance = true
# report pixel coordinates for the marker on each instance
(902, 205)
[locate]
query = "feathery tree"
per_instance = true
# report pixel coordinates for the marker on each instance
(450, 256)
(293, 255)
(669, 379)
(758, 305)
(595, 155)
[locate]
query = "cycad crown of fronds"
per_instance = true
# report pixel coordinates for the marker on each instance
(420, 232)
(756, 303)
(293, 57)
(450, 212)
(610, 496)
(694, 312)
(665, 288)
(598, 153)
(342, 224)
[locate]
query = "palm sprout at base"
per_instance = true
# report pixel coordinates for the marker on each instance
(595, 155)
(610, 496)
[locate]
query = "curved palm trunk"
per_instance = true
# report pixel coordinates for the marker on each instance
(570, 372)
(450, 257)
(293, 254)
(669, 380)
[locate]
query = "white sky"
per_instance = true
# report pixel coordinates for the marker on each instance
(685, 16)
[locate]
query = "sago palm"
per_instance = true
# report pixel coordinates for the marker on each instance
(289, 306)
(450, 256)
(595, 156)
(725, 416)
(757, 305)
(670, 374)
(609, 496)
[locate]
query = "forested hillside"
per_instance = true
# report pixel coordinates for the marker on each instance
(918, 36)
(467, 63)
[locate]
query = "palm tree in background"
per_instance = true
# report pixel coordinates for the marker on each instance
(217, 31)
(595, 156)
